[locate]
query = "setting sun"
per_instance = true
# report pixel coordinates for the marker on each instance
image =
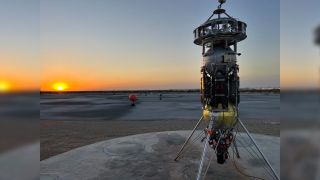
(60, 86)
(4, 86)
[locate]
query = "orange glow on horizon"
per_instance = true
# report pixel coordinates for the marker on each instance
(60, 86)
(4, 86)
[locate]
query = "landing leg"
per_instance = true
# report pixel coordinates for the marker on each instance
(258, 148)
(188, 139)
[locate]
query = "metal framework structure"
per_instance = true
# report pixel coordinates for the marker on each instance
(218, 38)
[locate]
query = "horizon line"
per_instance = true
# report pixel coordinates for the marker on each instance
(157, 90)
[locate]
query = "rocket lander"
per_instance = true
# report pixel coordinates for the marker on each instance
(218, 37)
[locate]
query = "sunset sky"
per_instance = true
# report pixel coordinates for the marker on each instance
(125, 44)
(300, 58)
(19, 44)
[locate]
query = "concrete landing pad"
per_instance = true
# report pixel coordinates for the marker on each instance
(150, 156)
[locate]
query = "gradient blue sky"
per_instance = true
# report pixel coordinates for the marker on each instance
(299, 56)
(147, 44)
(126, 44)
(19, 43)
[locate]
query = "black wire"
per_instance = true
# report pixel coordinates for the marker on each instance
(242, 173)
(253, 157)
(234, 163)
(259, 157)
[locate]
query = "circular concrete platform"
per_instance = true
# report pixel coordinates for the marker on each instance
(150, 156)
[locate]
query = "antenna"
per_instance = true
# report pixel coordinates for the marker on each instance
(221, 2)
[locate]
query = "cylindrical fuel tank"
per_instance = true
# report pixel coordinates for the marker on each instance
(219, 55)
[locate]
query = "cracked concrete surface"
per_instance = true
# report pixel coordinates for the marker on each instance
(150, 156)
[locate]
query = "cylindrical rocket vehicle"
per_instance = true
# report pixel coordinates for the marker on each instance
(220, 81)
(218, 38)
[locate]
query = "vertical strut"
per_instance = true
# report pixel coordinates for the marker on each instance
(256, 145)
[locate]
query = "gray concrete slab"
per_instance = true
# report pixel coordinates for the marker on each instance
(150, 156)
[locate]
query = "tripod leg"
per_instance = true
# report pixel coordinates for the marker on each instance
(188, 139)
(258, 148)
